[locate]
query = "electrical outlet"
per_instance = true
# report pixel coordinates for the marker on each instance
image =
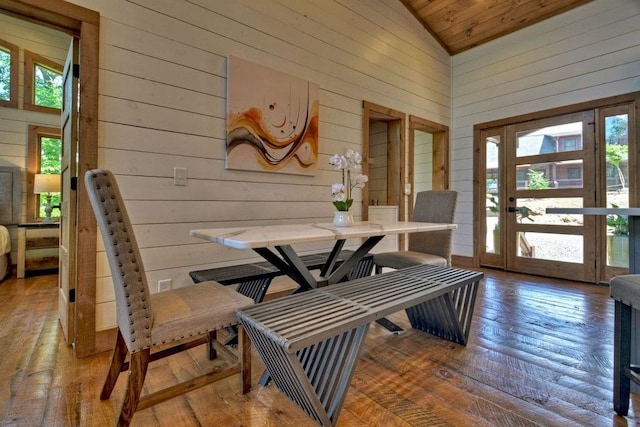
(180, 176)
(165, 285)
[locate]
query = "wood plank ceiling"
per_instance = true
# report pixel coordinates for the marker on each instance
(459, 25)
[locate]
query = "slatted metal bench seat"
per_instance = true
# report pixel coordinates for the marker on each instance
(310, 342)
(253, 279)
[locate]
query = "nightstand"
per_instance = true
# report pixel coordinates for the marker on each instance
(38, 248)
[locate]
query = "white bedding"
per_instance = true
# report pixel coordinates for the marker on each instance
(5, 252)
(5, 240)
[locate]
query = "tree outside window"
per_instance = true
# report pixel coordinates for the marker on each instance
(50, 151)
(48, 87)
(42, 84)
(44, 156)
(8, 75)
(5, 75)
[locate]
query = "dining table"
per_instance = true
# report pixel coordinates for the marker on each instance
(275, 243)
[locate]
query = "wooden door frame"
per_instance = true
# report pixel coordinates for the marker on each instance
(84, 24)
(374, 111)
(479, 190)
(440, 159)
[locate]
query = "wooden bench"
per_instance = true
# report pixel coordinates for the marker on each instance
(310, 342)
(253, 280)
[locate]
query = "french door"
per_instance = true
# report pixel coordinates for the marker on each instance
(550, 163)
(580, 159)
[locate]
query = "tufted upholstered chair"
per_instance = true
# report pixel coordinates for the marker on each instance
(177, 319)
(625, 290)
(433, 247)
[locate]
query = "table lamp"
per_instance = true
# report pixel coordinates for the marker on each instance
(47, 184)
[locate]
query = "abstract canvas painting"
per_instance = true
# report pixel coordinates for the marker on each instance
(272, 120)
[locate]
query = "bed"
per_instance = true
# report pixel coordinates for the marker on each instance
(5, 253)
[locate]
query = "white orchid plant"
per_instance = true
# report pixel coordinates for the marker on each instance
(341, 192)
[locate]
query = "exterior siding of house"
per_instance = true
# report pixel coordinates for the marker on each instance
(588, 53)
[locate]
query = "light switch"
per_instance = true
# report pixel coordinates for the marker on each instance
(180, 176)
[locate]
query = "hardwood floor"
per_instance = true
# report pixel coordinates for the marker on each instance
(540, 354)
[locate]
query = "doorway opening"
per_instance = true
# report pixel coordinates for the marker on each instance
(578, 156)
(83, 24)
(428, 158)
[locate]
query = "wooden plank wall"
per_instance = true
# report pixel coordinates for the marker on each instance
(588, 53)
(377, 163)
(14, 123)
(163, 102)
(423, 162)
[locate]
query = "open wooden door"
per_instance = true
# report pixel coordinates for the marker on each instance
(67, 274)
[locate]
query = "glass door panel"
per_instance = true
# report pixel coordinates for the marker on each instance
(617, 176)
(546, 163)
(490, 207)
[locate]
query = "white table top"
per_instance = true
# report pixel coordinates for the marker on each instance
(289, 234)
(595, 211)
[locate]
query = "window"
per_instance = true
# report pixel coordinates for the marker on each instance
(569, 143)
(8, 74)
(42, 84)
(44, 156)
(574, 173)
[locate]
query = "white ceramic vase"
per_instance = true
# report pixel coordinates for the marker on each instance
(342, 219)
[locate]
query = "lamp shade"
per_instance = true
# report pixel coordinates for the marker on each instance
(46, 183)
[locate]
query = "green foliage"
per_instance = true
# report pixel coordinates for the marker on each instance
(50, 152)
(50, 162)
(48, 84)
(537, 181)
(617, 127)
(616, 153)
(618, 224)
(495, 205)
(5, 75)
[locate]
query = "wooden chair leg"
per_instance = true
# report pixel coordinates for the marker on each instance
(621, 358)
(137, 372)
(211, 337)
(117, 361)
(244, 356)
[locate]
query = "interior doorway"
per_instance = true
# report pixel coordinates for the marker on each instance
(428, 156)
(397, 168)
(384, 154)
(83, 24)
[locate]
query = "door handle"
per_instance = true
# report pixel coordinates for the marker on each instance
(512, 209)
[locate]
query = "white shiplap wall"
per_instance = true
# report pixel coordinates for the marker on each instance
(378, 136)
(162, 105)
(588, 53)
(422, 162)
(14, 122)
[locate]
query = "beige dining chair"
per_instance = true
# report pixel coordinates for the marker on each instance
(432, 247)
(177, 319)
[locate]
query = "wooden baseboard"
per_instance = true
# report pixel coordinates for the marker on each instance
(462, 261)
(105, 340)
